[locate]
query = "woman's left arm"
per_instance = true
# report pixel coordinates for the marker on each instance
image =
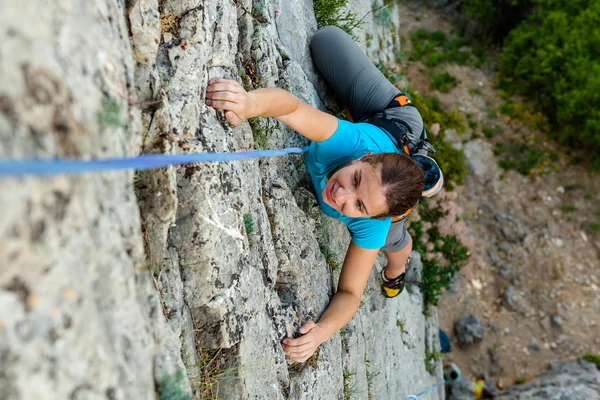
(342, 307)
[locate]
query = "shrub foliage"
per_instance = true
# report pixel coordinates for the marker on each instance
(554, 57)
(331, 12)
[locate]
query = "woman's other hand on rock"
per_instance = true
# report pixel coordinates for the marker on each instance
(230, 96)
(300, 349)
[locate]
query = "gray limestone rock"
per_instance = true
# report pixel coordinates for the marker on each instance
(573, 380)
(468, 330)
(477, 153)
(80, 317)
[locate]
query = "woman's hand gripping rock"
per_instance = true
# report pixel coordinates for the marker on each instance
(230, 96)
(300, 349)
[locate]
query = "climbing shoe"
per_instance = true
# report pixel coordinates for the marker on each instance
(392, 287)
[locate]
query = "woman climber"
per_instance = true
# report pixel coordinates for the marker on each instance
(361, 172)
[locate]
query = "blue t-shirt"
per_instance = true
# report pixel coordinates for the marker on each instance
(349, 142)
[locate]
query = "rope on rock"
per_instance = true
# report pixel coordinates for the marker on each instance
(47, 167)
(415, 396)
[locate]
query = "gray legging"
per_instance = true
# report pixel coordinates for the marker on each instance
(364, 90)
(360, 85)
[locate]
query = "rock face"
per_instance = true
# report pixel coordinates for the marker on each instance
(573, 380)
(79, 317)
(112, 283)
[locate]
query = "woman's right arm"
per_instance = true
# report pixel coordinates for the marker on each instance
(228, 95)
(342, 307)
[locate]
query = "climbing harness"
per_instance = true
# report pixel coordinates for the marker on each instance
(407, 140)
(46, 167)
(416, 396)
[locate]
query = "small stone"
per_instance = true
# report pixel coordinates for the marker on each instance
(468, 330)
(553, 345)
(506, 331)
(533, 345)
(560, 189)
(476, 283)
(556, 321)
(583, 236)
(546, 345)
(168, 37)
(500, 384)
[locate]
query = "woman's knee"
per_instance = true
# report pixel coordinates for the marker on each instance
(325, 35)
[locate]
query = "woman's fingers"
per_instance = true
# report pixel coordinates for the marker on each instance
(231, 86)
(307, 327)
(227, 96)
(297, 342)
(233, 118)
(230, 96)
(297, 349)
(223, 105)
(219, 84)
(300, 356)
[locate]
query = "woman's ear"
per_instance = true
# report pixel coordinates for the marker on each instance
(365, 156)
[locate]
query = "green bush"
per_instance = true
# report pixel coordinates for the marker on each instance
(554, 58)
(593, 358)
(435, 48)
(443, 81)
(450, 160)
(329, 12)
(435, 277)
(526, 159)
(496, 17)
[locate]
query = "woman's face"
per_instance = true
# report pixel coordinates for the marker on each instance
(355, 191)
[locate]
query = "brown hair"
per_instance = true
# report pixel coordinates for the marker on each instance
(401, 181)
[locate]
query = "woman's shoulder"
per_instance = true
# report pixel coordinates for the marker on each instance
(367, 232)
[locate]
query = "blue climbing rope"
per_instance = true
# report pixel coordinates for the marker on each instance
(415, 396)
(46, 167)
